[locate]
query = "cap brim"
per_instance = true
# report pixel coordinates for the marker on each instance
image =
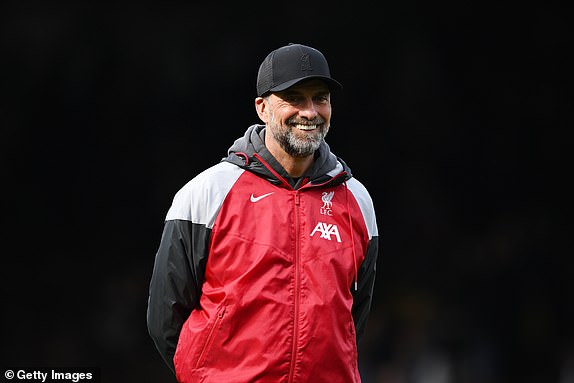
(331, 83)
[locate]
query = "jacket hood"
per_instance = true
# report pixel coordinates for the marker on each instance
(250, 153)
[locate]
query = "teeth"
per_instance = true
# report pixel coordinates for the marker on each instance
(305, 127)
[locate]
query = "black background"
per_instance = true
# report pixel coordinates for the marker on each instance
(456, 117)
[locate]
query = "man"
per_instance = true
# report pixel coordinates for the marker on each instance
(266, 266)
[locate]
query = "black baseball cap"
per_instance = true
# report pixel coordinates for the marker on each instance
(288, 65)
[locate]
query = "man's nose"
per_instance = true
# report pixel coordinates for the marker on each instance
(308, 109)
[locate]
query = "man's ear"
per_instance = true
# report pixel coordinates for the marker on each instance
(261, 108)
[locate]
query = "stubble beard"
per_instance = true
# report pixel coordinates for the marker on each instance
(295, 145)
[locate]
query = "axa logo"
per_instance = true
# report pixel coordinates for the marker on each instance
(327, 230)
(327, 204)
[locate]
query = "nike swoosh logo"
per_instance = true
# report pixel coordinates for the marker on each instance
(255, 199)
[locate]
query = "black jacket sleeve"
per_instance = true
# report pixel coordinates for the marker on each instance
(175, 286)
(363, 297)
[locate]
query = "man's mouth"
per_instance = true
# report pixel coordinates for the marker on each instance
(305, 127)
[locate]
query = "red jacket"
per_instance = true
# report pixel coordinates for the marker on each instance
(263, 290)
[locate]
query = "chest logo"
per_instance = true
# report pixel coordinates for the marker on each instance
(327, 230)
(327, 204)
(259, 198)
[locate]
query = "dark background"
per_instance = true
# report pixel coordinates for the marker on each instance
(456, 118)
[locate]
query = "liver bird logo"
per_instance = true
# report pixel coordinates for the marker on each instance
(327, 197)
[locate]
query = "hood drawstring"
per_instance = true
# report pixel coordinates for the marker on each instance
(277, 175)
(245, 157)
(356, 282)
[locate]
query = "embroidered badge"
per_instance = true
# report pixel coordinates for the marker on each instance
(306, 63)
(327, 203)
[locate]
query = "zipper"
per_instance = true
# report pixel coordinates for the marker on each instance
(297, 262)
(210, 337)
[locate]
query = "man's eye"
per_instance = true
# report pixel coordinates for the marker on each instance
(292, 99)
(322, 99)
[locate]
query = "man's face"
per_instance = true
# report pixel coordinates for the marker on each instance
(299, 117)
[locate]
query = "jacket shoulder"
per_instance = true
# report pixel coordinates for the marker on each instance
(199, 200)
(365, 202)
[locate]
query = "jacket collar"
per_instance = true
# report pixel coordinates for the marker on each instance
(326, 169)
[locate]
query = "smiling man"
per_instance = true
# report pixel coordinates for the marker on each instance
(266, 265)
(298, 120)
